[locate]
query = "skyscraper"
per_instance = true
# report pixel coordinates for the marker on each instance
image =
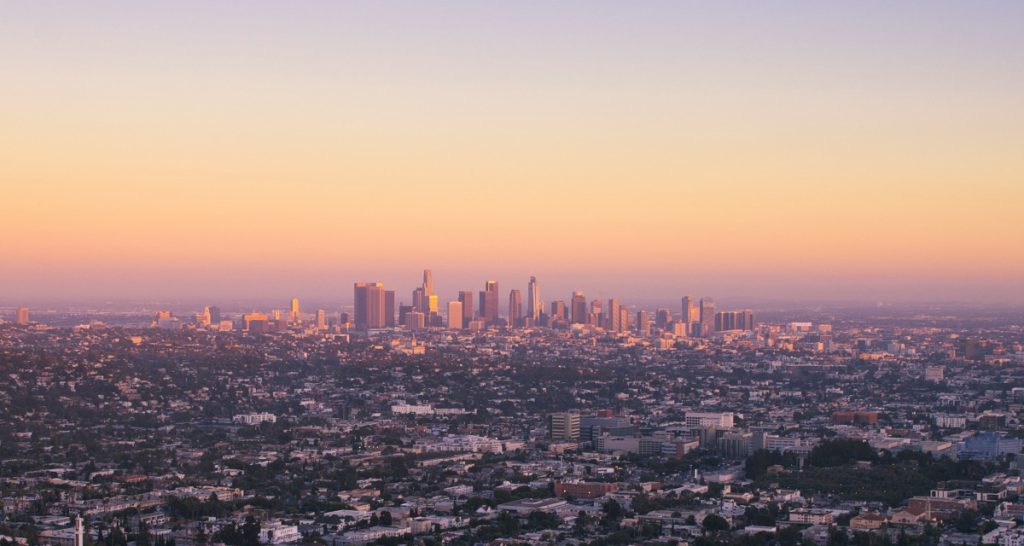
(643, 323)
(745, 321)
(595, 316)
(321, 319)
(691, 315)
(253, 322)
(707, 316)
(296, 315)
(428, 282)
(734, 320)
(214, 314)
(370, 305)
(489, 303)
(558, 310)
(579, 308)
(389, 308)
(455, 321)
(418, 298)
(612, 322)
(533, 304)
(725, 320)
(421, 296)
(415, 320)
(466, 299)
(662, 318)
(515, 307)
(22, 316)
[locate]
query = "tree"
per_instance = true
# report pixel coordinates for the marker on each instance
(612, 510)
(714, 523)
(32, 535)
(789, 536)
(757, 464)
(579, 528)
(642, 504)
(251, 532)
(143, 538)
(542, 520)
(758, 516)
(837, 537)
(840, 452)
(116, 537)
(228, 535)
(967, 521)
(508, 524)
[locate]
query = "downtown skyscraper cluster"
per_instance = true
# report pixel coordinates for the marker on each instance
(375, 308)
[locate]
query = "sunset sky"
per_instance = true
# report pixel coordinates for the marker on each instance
(805, 150)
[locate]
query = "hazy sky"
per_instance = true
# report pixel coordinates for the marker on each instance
(840, 150)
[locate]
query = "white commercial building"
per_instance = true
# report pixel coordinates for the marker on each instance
(275, 532)
(411, 409)
(253, 419)
(461, 444)
(717, 420)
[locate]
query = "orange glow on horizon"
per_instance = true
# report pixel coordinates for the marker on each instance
(135, 168)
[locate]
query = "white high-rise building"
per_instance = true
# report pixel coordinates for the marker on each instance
(565, 426)
(533, 303)
(79, 531)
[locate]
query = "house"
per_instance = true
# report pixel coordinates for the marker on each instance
(908, 516)
(818, 534)
(867, 521)
(811, 516)
(1009, 510)
(940, 508)
(584, 490)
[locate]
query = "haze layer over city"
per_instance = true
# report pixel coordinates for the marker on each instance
(382, 273)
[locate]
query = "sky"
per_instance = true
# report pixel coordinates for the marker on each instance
(855, 151)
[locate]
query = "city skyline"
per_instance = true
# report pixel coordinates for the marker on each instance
(574, 273)
(196, 151)
(375, 309)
